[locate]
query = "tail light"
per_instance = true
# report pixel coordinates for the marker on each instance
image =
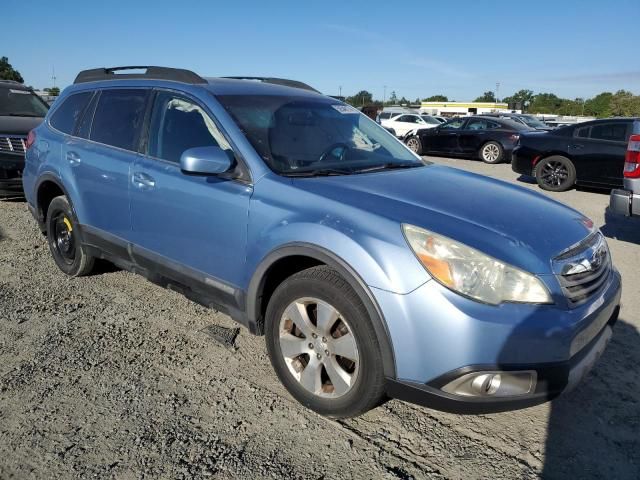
(515, 137)
(632, 158)
(31, 138)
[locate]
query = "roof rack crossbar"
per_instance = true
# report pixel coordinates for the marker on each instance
(151, 73)
(279, 81)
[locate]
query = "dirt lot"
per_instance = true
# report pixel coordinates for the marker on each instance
(112, 377)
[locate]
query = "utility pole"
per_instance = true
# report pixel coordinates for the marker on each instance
(53, 75)
(497, 90)
(384, 95)
(340, 89)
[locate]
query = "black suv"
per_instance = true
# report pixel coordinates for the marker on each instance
(20, 111)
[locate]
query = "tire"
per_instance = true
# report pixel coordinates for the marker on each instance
(64, 241)
(307, 372)
(555, 173)
(414, 144)
(491, 153)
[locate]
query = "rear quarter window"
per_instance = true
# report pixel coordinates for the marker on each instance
(118, 117)
(614, 132)
(66, 116)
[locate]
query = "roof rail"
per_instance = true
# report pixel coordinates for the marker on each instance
(279, 81)
(151, 73)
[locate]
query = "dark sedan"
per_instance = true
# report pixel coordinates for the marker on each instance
(490, 139)
(589, 153)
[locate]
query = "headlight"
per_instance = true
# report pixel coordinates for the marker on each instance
(472, 273)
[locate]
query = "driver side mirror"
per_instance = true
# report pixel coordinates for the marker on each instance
(206, 161)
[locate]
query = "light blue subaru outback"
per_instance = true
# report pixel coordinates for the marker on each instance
(372, 273)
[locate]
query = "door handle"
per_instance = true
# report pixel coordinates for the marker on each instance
(577, 146)
(142, 180)
(73, 158)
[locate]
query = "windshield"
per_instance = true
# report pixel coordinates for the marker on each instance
(429, 119)
(298, 136)
(21, 103)
(533, 121)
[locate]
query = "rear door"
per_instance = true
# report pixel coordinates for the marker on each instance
(192, 224)
(101, 166)
(404, 123)
(598, 152)
(474, 134)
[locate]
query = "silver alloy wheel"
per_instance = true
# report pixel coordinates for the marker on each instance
(412, 143)
(490, 152)
(319, 348)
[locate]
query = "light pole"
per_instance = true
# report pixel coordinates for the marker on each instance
(340, 89)
(384, 94)
(497, 90)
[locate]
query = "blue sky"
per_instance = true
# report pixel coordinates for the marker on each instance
(416, 48)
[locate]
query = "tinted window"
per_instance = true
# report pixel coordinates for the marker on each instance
(21, 103)
(453, 124)
(481, 124)
(66, 116)
(582, 132)
(118, 118)
(616, 132)
(178, 124)
(385, 115)
(406, 118)
(84, 124)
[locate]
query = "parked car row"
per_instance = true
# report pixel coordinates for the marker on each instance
(369, 275)
(590, 153)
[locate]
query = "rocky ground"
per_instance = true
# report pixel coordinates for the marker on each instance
(109, 376)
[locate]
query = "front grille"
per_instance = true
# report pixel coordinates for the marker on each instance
(584, 269)
(12, 144)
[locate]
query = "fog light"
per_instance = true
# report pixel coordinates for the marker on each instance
(493, 384)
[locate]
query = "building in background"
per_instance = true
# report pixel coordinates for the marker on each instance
(452, 109)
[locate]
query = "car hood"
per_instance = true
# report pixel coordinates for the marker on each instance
(511, 223)
(18, 125)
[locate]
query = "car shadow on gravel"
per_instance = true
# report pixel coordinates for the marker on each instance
(593, 430)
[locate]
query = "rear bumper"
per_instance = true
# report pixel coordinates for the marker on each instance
(624, 202)
(521, 162)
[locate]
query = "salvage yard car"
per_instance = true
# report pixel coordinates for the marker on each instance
(371, 273)
(627, 201)
(490, 139)
(590, 154)
(21, 110)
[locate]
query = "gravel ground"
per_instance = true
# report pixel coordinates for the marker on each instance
(109, 376)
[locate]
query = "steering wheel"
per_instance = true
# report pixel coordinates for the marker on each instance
(329, 151)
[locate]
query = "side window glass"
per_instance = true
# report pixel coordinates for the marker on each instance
(118, 117)
(402, 118)
(84, 125)
(178, 124)
(67, 115)
(582, 132)
(615, 132)
(453, 125)
(477, 125)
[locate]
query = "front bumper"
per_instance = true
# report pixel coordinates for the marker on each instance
(456, 336)
(11, 167)
(624, 202)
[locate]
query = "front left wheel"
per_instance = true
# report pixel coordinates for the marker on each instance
(64, 242)
(414, 144)
(322, 345)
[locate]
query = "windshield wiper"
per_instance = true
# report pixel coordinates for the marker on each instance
(319, 172)
(389, 166)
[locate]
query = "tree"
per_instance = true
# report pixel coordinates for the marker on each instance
(436, 98)
(7, 72)
(393, 98)
(486, 97)
(625, 104)
(599, 106)
(523, 97)
(545, 103)
(359, 99)
(53, 91)
(404, 101)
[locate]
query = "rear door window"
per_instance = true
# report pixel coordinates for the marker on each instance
(67, 115)
(118, 118)
(453, 124)
(614, 132)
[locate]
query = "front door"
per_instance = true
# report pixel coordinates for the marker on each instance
(193, 224)
(446, 138)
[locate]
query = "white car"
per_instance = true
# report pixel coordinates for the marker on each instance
(403, 123)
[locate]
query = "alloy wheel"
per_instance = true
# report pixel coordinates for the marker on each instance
(490, 152)
(319, 347)
(412, 143)
(554, 173)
